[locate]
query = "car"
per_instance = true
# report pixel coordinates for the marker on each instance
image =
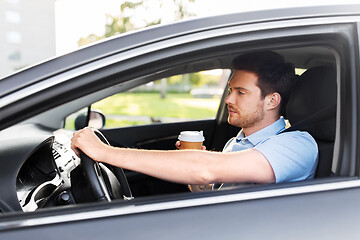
(47, 192)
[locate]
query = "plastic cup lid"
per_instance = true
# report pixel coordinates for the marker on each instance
(191, 136)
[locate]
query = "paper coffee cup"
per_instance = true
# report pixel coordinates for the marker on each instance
(191, 139)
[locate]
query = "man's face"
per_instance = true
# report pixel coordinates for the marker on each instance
(245, 103)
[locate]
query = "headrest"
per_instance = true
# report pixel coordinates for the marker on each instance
(315, 91)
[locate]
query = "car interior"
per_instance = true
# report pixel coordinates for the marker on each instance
(49, 173)
(316, 113)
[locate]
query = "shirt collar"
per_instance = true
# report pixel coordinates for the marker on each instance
(264, 133)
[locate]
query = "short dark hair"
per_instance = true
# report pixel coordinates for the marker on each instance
(274, 74)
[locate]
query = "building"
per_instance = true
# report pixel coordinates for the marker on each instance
(27, 33)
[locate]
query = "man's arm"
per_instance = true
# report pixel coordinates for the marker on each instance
(185, 166)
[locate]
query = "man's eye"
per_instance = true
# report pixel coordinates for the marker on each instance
(240, 92)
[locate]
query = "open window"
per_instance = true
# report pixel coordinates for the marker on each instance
(180, 98)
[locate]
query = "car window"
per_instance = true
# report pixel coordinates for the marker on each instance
(179, 98)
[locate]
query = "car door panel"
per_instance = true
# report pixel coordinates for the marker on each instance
(231, 219)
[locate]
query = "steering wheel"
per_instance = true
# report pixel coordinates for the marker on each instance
(106, 182)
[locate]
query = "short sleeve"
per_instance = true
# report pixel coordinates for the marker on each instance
(293, 156)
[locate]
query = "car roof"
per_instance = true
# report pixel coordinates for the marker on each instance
(146, 36)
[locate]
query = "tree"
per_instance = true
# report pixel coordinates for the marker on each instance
(133, 16)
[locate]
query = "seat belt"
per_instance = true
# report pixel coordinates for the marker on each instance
(324, 114)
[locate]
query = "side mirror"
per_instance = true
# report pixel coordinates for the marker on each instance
(96, 120)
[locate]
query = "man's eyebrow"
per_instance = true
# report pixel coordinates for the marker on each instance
(238, 88)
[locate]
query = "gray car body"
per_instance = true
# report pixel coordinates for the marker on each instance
(318, 209)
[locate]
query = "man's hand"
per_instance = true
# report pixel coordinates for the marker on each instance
(178, 143)
(86, 141)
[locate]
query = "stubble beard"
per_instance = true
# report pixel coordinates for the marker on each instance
(247, 120)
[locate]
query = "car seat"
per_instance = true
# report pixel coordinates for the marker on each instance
(312, 108)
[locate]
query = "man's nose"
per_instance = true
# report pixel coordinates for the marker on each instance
(229, 99)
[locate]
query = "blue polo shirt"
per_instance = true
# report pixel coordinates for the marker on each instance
(293, 155)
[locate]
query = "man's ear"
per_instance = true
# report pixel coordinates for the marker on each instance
(273, 101)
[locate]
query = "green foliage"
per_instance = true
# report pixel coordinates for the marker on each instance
(208, 79)
(195, 79)
(152, 105)
(113, 123)
(124, 22)
(89, 39)
(130, 5)
(182, 11)
(117, 25)
(174, 79)
(128, 109)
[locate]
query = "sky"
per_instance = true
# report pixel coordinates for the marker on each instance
(79, 18)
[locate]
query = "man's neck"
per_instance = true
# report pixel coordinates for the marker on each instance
(261, 125)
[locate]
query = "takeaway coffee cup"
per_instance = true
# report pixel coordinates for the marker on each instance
(191, 139)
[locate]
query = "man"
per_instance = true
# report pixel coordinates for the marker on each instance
(258, 92)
